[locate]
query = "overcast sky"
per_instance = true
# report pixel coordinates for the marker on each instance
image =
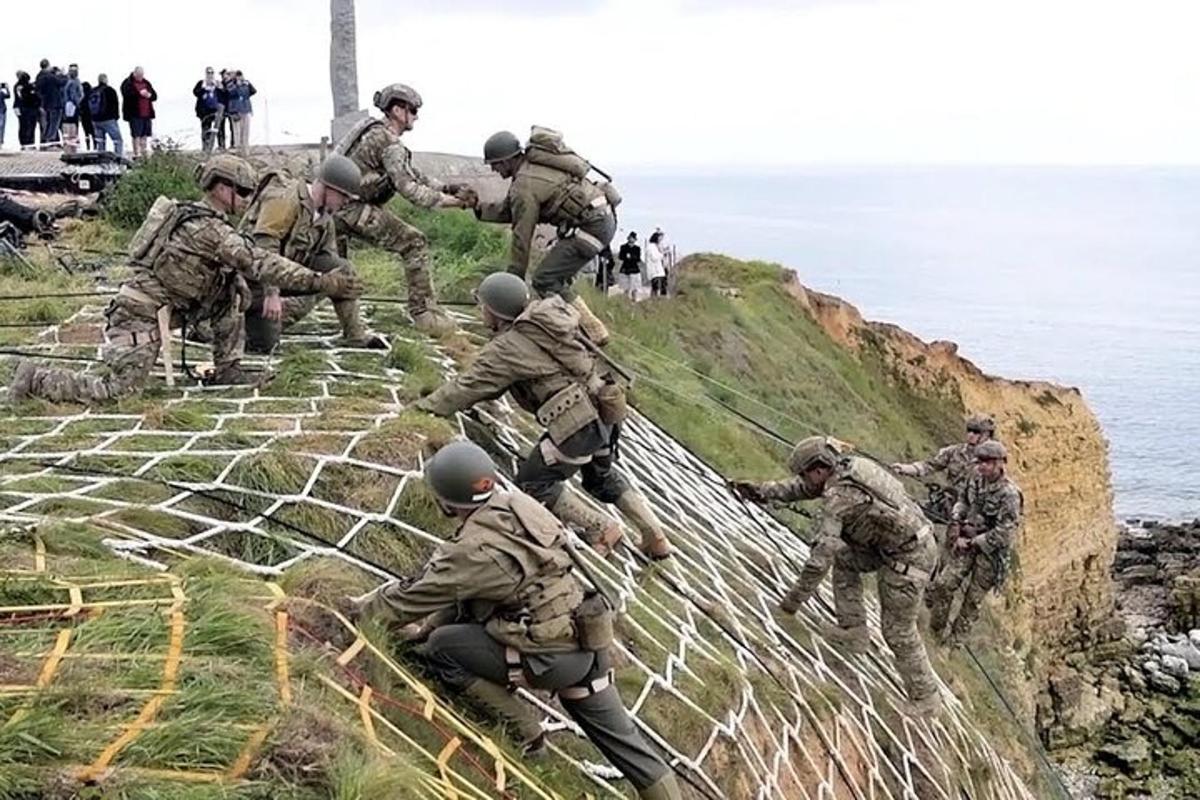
(676, 83)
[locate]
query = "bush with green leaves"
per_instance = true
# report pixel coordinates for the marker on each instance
(168, 173)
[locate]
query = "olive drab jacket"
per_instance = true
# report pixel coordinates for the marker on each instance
(508, 567)
(539, 356)
(387, 166)
(199, 259)
(282, 219)
(993, 510)
(865, 508)
(540, 193)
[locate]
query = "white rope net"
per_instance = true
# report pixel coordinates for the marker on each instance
(819, 724)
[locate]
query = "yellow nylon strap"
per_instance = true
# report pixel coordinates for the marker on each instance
(281, 658)
(242, 765)
(277, 594)
(442, 760)
(350, 652)
(364, 711)
(39, 554)
(76, 595)
(55, 658)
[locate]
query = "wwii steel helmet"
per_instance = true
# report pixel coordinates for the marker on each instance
(504, 294)
(461, 475)
(991, 451)
(340, 173)
(501, 145)
(812, 452)
(981, 423)
(227, 168)
(396, 93)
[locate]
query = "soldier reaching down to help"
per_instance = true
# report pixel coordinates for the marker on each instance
(979, 543)
(538, 354)
(188, 265)
(868, 524)
(497, 607)
(957, 461)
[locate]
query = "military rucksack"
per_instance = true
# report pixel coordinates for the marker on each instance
(352, 137)
(547, 148)
(164, 217)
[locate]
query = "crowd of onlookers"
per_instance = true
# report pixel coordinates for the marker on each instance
(637, 267)
(56, 109)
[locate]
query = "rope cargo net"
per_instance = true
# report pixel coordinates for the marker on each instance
(708, 695)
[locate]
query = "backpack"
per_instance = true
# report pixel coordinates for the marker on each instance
(161, 221)
(95, 102)
(546, 147)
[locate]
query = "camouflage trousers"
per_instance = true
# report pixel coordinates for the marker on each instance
(972, 568)
(262, 334)
(899, 604)
(130, 350)
(384, 229)
(557, 270)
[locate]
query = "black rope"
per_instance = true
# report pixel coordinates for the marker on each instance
(56, 295)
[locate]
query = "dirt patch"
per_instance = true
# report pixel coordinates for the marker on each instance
(301, 751)
(16, 672)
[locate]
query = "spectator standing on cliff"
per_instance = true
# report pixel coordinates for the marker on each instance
(85, 118)
(50, 82)
(26, 104)
(72, 101)
(104, 110)
(605, 262)
(983, 527)
(4, 95)
(210, 97)
(656, 270)
(240, 109)
(630, 256)
(137, 106)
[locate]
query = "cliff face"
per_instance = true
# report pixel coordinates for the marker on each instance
(1057, 455)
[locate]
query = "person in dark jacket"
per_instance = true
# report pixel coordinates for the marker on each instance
(104, 111)
(85, 118)
(50, 83)
(4, 95)
(210, 103)
(137, 107)
(26, 104)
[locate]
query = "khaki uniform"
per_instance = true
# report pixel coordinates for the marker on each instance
(200, 273)
(990, 515)
(958, 462)
(506, 576)
(537, 359)
(387, 170)
(869, 523)
(577, 207)
(283, 220)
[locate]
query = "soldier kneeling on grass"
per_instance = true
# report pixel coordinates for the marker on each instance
(497, 607)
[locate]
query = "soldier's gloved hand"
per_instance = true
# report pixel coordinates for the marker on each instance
(341, 284)
(747, 490)
(450, 201)
(412, 632)
(469, 197)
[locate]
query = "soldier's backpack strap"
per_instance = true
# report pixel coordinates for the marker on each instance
(352, 137)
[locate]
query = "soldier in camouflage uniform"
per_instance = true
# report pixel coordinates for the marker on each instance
(294, 219)
(956, 460)
(193, 267)
(868, 524)
(387, 169)
(983, 526)
(497, 607)
(541, 193)
(539, 355)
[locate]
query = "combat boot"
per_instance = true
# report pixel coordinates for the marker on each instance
(233, 375)
(505, 706)
(590, 324)
(654, 542)
(849, 640)
(433, 321)
(665, 788)
(598, 529)
(21, 386)
(354, 333)
(927, 706)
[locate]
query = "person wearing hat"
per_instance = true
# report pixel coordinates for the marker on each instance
(983, 526)
(956, 461)
(387, 170)
(538, 353)
(294, 218)
(498, 607)
(868, 523)
(188, 264)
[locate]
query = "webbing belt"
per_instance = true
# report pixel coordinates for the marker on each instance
(516, 673)
(585, 690)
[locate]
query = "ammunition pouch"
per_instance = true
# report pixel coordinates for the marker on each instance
(566, 412)
(611, 403)
(594, 622)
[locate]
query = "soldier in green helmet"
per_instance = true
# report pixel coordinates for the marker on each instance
(387, 170)
(550, 185)
(295, 219)
(867, 524)
(983, 527)
(189, 266)
(498, 607)
(538, 354)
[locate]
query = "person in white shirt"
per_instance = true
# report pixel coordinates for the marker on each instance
(656, 270)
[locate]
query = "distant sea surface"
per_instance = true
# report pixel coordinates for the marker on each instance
(1086, 277)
